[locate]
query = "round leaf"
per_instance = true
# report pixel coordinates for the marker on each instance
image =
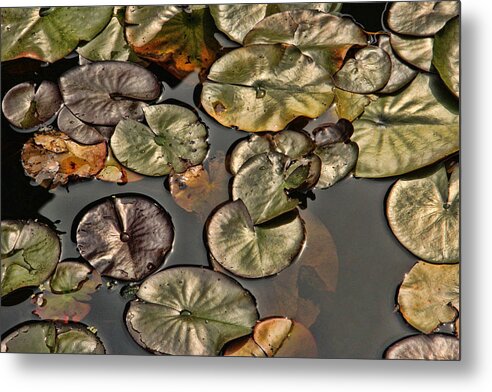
(68, 276)
(337, 161)
(437, 347)
(446, 56)
(253, 251)
(174, 141)
(78, 130)
(415, 51)
(247, 148)
(190, 311)
(351, 105)
(294, 144)
(264, 87)
(125, 237)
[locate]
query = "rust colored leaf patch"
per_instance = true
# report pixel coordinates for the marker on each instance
(113, 171)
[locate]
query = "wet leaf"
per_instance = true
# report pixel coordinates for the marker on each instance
(125, 237)
(78, 130)
(174, 140)
(30, 252)
(424, 18)
(401, 133)
(190, 311)
(247, 148)
(322, 37)
(52, 338)
(351, 105)
(114, 172)
(26, 107)
(446, 56)
(429, 295)
(294, 144)
(51, 158)
(331, 133)
(303, 174)
(244, 347)
(367, 72)
(415, 51)
(337, 161)
(437, 347)
(264, 87)
(106, 92)
(49, 35)
(253, 251)
(424, 213)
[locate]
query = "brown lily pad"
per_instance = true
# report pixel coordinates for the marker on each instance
(437, 347)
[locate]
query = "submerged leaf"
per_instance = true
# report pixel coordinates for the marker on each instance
(415, 51)
(446, 56)
(437, 347)
(190, 311)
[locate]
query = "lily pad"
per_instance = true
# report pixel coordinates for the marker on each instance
(247, 148)
(78, 130)
(424, 18)
(351, 105)
(368, 71)
(430, 295)
(174, 140)
(264, 87)
(26, 107)
(244, 347)
(337, 161)
(331, 133)
(294, 144)
(114, 172)
(401, 133)
(446, 56)
(125, 237)
(51, 158)
(106, 92)
(415, 51)
(424, 214)
(69, 276)
(49, 34)
(52, 338)
(325, 7)
(30, 252)
(253, 251)
(322, 37)
(190, 311)
(436, 347)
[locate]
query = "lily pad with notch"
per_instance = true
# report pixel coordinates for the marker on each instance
(446, 55)
(351, 105)
(415, 51)
(436, 347)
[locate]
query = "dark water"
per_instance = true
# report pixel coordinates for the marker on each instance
(357, 320)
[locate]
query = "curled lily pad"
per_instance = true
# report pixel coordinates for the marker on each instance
(30, 252)
(430, 295)
(264, 87)
(51, 158)
(436, 347)
(174, 140)
(52, 338)
(424, 214)
(337, 161)
(253, 251)
(190, 311)
(114, 172)
(367, 72)
(323, 37)
(331, 133)
(446, 56)
(106, 92)
(78, 130)
(26, 107)
(404, 132)
(125, 237)
(415, 51)
(422, 18)
(351, 105)
(49, 34)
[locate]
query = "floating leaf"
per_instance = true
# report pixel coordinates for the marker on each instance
(351, 105)
(446, 56)
(244, 347)
(294, 144)
(190, 311)
(30, 252)
(325, 7)
(415, 51)
(114, 172)
(401, 133)
(125, 237)
(424, 214)
(26, 107)
(253, 251)
(429, 295)
(52, 338)
(337, 161)
(174, 141)
(323, 37)
(331, 133)
(247, 148)
(68, 277)
(78, 130)
(264, 87)
(437, 347)
(423, 18)
(51, 158)
(106, 92)
(49, 34)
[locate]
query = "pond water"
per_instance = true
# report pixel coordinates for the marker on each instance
(357, 317)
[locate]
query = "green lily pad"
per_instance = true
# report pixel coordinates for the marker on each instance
(30, 252)
(367, 72)
(49, 34)
(436, 347)
(174, 140)
(69, 276)
(78, 130)
(264, 87)
(253, 251)
(247, 148)
(424, 214)
(430, 295)
(125, 237)
(351, 105)
(52, 338)
(26, 107)
(190, 311)
(415, 51)
(424, 18)
(401, 133)
(294, 144)
(322, 37)
(446, 57)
